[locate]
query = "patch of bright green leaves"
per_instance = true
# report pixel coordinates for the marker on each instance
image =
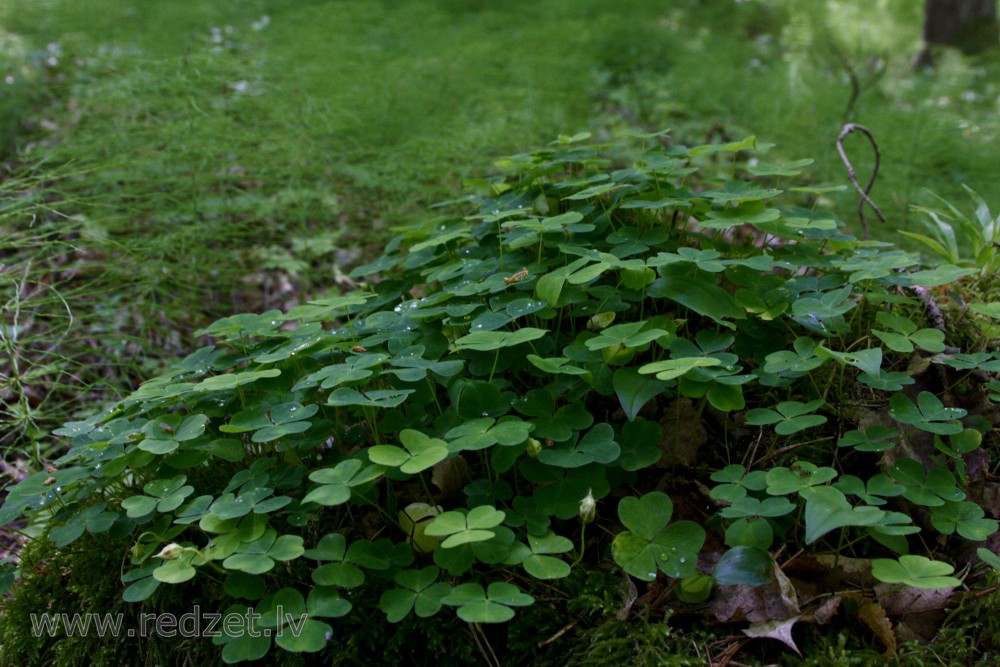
(505, 363)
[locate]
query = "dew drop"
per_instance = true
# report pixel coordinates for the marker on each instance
(486, 414)
(683, 559)
(673, 549)
(651, 575)
(58, 488)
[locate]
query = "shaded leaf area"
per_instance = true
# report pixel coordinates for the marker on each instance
(530, 389)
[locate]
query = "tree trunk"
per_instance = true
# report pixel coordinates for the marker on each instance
(970, 25)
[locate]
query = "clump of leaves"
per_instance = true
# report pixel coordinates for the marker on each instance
(959, 237)
(451, 428)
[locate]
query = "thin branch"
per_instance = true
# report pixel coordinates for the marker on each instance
(933, 310)
(877, 68)
(558, 634)
(848, 128)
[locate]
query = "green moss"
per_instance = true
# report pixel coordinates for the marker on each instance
(84, 579)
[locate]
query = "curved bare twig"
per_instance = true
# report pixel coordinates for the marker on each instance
(847, 129)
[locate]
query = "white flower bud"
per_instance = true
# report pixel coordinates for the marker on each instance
(588, 507)
(172, 551)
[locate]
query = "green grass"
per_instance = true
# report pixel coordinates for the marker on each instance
(780, 71)
(196, 160)
(403, 98)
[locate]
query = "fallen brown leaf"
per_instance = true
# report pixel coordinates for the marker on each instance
(758, 604)
(826, 611)
(920, 611)
(449, 475)
(873, 615)
(780, 630)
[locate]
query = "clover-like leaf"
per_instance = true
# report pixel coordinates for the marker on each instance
(931, 489)
(556, 365)
(650, 543)
(886, 380)
(412, 364)
(535, 556)
(789, 416)
(961, 443)
(326, 602)
(629, 335)
(462, 527)
(333, 547)
(256, 499)
(915, 571)
(93, 519)
(351, 370)
(240, 638)
(675, 368)
(640, 444)
(490, 606)
(867, 361)
(271, 424)
(929, 414)
(419, 591)
(178, 570)
(874, 492)
(989, 558)
(736, 481)
(749, 506)
(963, 517)
(634, 390)
(164, 434)
(744, 565)
(288, 613)
(827, 509)
(802, 475)
(232, 380)
(422, 452)
(487, 341)
(596, 446)
(968, 361)
(336, 483)
(141, 583)
(871, 439)
(258, 556)
(460, 559)
(375, 398)
(162, 495)
(485, 432)
(904, 334)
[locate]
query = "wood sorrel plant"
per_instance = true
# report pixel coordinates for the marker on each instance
(437, 430)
